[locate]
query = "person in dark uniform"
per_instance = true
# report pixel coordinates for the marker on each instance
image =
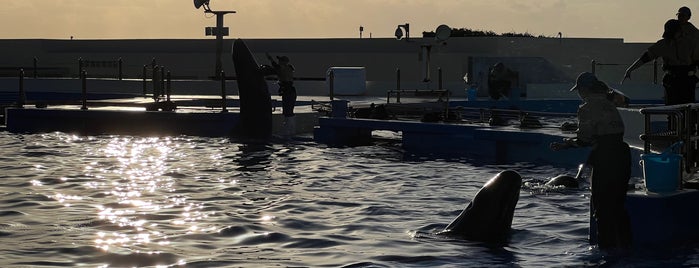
(285, 73)
(601, 127)
(687, 28)
(680, 55)
(500, 81)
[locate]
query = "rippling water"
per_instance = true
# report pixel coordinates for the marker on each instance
(122, 201)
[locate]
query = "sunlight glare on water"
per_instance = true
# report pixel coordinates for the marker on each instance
(122, 201)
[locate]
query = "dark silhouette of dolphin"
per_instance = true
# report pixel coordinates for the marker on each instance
(564, 180)
(255, 100)
(488, 218)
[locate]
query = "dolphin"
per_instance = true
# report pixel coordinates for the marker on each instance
(488, 218)
(564, 180)
(255, 100)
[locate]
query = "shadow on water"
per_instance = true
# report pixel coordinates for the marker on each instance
(254, 157)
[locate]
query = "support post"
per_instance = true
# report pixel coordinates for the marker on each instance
(22, 97)
(224, 109)
(36, 67)
(145, 74)
(121, 73)
(169, 86)
(83, 76)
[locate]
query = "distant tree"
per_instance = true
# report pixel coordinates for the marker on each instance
(466, 32)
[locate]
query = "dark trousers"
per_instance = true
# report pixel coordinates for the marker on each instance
(611, 170)
(288, 93)
(679, 88)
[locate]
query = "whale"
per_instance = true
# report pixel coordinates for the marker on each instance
(255, 99)
(488, 217)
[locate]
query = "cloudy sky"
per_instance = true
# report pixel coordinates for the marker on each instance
(632, 20)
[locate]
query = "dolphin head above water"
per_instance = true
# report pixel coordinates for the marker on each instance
(488, 218)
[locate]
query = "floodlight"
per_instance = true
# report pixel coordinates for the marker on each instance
(399, 33)
(200, 3)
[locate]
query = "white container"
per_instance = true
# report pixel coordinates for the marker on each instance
(346, 81)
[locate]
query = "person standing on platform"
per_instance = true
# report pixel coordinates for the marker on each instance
(687, 28)
(285, 73)
(600, 126)
(680, 56)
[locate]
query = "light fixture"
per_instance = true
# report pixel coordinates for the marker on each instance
(200, 3)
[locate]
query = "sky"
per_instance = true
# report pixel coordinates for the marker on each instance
(631, 20)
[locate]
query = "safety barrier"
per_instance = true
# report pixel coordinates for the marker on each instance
(682, 125)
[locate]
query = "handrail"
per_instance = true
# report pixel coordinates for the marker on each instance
(683, 125)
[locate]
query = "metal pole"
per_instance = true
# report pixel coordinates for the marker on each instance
(594, 65)
(36, 63)
(398, 85)
(332, 85)
(83, 75)
(121, 73)
(80, 66)
(156, 79)
(162, 81)
(22, 97)
(169, 86)
(219, 42)
(145, 73)
(439, 70)
(223, 92)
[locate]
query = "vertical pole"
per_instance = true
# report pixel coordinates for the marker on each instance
(439, 70)
(594, 66)
(145, 73)
(36, 67)
(169, 86)
(398, 85)
(156, 79)
(22, 97)
(219, 42)
(162, 81)
(80, 66)
(224, 109)
(83, 75)
(332, 84)
(121, 73)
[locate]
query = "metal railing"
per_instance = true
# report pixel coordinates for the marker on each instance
(682, 125)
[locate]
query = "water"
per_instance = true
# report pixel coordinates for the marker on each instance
(122, 201)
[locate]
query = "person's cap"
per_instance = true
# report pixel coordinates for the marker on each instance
(585, 79)
(684, 10)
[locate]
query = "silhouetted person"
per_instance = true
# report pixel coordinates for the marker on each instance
(500, 81)
(679, 54)
(686, 27)
(601, 127)
(285, 74)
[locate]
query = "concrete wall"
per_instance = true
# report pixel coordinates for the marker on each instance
(194, 59)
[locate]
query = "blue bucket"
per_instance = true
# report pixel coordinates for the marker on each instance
(472, 94)
(661, 172)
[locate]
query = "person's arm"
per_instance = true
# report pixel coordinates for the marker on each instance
(636, 64)
(584, 132)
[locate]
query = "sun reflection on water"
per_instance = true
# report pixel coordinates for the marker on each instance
(141, 197)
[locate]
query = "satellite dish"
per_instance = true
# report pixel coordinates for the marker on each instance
(442, 33)
(199, 3)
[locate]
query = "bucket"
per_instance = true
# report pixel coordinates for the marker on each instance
(661, 172)
(472, 94)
